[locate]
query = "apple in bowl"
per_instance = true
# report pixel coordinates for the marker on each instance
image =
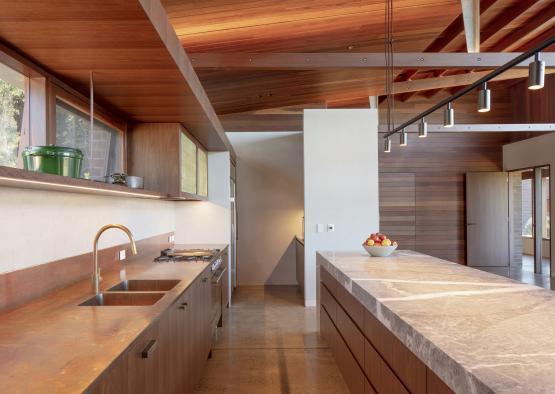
(378, 245)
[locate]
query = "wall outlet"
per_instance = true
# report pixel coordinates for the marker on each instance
(331, 228)
(171, 239)
(122, 254)
(319, 228)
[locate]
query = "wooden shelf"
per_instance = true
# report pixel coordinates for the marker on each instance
(15, 177)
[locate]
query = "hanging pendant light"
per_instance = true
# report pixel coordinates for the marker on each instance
(422, 128)
(403, 138)
(387, 145)
(448, 116)
(484, 98)
(536, 73)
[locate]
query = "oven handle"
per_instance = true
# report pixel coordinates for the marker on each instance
(220, 274)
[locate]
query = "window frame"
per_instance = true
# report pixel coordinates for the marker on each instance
(83, 105)
(41, 91)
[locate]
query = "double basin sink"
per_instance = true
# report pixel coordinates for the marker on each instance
(134, 292)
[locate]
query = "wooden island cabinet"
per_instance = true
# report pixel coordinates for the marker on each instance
(170, 355)
(370, 358)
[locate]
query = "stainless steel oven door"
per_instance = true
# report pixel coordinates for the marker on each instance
(217, 301)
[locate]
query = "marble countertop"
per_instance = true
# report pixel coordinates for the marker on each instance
(52, 345)
(479, 332)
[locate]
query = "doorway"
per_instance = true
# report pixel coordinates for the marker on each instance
(531, 226)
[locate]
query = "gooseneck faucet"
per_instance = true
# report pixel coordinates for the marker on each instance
(96, 272)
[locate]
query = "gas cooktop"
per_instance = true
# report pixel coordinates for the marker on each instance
(177, 255)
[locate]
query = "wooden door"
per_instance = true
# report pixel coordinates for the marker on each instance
(487, 219)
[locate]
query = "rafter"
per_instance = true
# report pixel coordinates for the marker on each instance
(451, 32)
(509, 40)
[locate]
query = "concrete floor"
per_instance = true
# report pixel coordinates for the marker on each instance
(270, 344)
(525, 272)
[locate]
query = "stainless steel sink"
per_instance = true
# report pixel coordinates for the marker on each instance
(124, 299)
(145, 285)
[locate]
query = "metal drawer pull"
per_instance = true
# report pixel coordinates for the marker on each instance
(149, 349)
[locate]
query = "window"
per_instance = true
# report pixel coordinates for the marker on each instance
(527, 223)
(12, 103)
(102, 151)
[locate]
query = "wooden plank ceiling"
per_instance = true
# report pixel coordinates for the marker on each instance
(243, 96)
(140, 70)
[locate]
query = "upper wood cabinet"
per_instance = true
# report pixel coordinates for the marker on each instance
(169, 159)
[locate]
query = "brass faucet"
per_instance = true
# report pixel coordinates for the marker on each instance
(96, 273)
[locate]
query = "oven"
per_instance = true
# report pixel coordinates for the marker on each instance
(219, 269)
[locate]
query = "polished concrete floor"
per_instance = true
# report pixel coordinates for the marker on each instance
(525, 272)
(270, 344)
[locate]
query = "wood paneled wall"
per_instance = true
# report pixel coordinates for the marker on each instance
(431, 174)
(533, 106)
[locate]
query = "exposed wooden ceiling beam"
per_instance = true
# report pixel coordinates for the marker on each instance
(445, 38)
(456, 80)
(323, 61)
(527, 32)
(494, 26)
(471, 21)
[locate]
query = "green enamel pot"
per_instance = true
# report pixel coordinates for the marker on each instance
(56, 160)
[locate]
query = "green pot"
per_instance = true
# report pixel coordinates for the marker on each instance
(53, 160)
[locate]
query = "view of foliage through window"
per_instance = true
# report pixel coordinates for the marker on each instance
(73, 131)
(12, 101)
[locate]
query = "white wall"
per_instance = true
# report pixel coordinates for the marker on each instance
(534, 152)
(207, 221)
(269, 205)
(340, 183)
(40, 226)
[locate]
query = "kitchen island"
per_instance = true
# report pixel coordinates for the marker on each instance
(54, 345)
(472, 331)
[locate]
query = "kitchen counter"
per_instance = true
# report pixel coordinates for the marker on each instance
(479, 332)
(53, 345)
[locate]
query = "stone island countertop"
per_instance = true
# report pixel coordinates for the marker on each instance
(479, 332)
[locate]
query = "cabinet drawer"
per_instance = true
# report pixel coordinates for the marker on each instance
(408, 368)
(328, 302)
(328, 280)
(380, 375)
(351, 305)
(351, 371)
(351, 335)
(436, 385)
(327, 329)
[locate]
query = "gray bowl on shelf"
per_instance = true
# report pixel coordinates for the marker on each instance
(134, 182)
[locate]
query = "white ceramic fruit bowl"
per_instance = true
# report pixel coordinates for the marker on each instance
(379, 251)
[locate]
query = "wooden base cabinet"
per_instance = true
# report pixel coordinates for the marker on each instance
(370, 358)
(170, 355)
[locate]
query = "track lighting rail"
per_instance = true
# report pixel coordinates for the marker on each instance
(510, 64)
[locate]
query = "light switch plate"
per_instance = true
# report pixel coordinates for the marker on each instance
(319, 228)
(122, 254)
(331, 227)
